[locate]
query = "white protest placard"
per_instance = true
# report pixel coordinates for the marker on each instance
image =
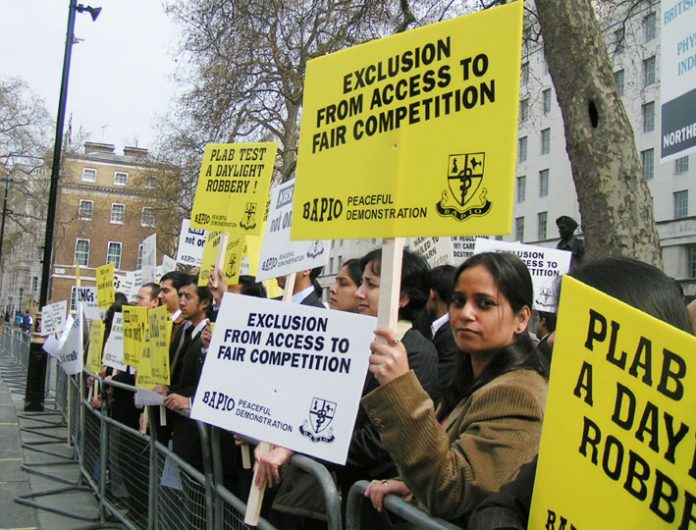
(70, 357)
(168, 265)
(191, 243)
(443, 250)
(113, 349)
(279, 255)
(87, 296)
(678, 79)
(52, 346)
(144, 397)
(545, 266)
(149, 262)
(287, 374)
(53, 317)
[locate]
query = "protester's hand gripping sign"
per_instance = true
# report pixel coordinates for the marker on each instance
(287, 374)
(417, 131)
(233, 187)
(279, 255)
(545, 265)
(618, 446)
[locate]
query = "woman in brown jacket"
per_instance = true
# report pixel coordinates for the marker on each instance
(490, 422)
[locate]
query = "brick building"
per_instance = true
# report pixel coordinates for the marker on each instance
(102, 215)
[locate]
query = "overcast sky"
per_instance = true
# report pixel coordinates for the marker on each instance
(120, 74)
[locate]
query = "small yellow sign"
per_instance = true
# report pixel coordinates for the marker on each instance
(106, 293)
(135, 331)
(211, 252)
(153, 368)
(94, 351)
(618, 445)
(414, 134)
(233, 187)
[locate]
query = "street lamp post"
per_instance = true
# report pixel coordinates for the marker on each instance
(36, 371)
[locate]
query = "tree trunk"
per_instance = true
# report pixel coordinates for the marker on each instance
(615, 203)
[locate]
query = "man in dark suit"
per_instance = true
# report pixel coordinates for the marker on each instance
(186, 367)
(306, 290)
(441, 284)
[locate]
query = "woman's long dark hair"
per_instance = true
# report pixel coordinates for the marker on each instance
(515, 284)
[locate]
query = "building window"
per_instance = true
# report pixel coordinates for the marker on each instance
(35, 284)
(147, 218)
(619, 80)
(150, 183)
(545, 141)
(524, 110)
(525, 74)
(542, 217)
(681, 204)
(691, 262)
(522, 149)
(85, 210)
(543, 183)
(139, 261)
(521, 188)
(519, 228)
(120, 178)
(330, 265)
(681, 165)
(619, 39)
(647, 160)
(649, 71)
(546, 96)
(82, 252)
(649, 117)
(649, 27)
(89, 174)
(118, 213)
(113, 254)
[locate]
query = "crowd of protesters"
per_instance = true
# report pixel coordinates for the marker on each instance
(452, 404)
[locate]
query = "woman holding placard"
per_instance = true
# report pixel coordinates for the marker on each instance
(489, 423)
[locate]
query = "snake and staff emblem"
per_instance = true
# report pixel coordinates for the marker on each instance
(321, 412)
(465, 196)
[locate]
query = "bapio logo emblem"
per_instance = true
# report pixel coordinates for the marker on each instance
(202, 218)
(465, 196)
(321, 413)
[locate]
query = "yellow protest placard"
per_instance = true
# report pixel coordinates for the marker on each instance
(252, 252)
(135, 325)
(618, 447)
(233, 187)
(94, 351)
(106, 292)
(414, 134)
(233, 257)
(160, 330)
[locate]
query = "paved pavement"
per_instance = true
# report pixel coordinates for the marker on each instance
(38, 440)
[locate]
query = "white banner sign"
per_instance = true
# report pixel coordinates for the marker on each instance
(678, 79)
(443, 250)
(287, 374)
(113, 349)
(53, 317)
(149, 263)
(87, 296)
(191, 242)
(545, 266)
(279, 255)
(168, 265)
(71, 352)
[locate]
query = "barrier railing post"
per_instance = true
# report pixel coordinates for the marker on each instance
(152, 475)
(208, 473)
(332, 498)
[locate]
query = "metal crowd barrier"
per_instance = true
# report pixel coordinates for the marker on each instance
(143, 485)
(392, 504)
(15, 344)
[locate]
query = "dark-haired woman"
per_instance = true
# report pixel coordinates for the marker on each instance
(342, 292)
(490, 422)
(367, 457)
